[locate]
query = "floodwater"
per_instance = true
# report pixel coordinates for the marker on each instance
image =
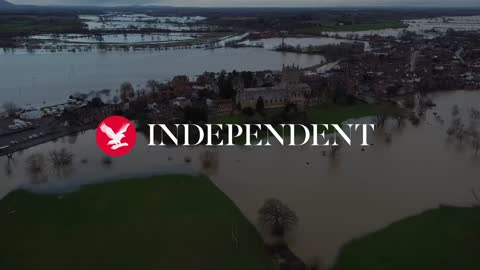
(49, 78)
(117, 39)
(336, 199)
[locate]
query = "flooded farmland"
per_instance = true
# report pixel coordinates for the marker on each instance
(335, 199)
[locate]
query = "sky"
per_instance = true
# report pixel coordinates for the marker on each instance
(257, 3)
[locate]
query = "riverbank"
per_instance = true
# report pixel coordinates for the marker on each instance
(443, 238)
(152, 223)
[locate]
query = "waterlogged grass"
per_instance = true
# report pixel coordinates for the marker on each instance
(440, 239)
(167, 222)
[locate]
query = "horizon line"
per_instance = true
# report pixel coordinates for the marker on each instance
(290, 7)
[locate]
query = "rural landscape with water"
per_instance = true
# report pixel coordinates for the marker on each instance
(409, 199)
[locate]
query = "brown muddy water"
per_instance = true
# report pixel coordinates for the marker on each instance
(336, 199)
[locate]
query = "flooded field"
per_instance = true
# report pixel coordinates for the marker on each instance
(442, 24)
(116, 21)
(336, 199)
(428, 27)
(116, 38)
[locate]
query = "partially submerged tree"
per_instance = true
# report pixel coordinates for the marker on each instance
(455, 127)
(471, 134)
(61, 158)
(455, 110)
(277, 217)
(107, 161)
(62, 162)
(334, 149)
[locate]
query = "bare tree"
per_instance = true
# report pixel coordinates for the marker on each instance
(62, 162)
(153, 85)
(127, 92)
(474, 113)
(61, 158)
(334, 150)
(456, 128)
(455, 110)
(277, 217)
(475, 137)
(10, 107)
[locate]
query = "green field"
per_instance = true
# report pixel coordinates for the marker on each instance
(359, 26)
(440, 239)
(168, 222)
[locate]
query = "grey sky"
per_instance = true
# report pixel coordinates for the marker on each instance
(253, 3)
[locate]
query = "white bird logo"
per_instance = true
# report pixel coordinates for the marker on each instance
(115, 138)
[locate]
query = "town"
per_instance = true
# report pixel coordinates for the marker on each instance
(391, 70)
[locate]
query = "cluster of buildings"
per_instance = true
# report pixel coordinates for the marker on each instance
(392, 67)
(410, 64)
(226, 92)
(290, 90)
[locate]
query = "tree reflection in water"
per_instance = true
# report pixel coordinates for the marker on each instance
(209, 160)
(36, 167)
(8, 165)
(62, 162)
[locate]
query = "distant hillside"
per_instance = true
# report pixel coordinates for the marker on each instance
(5, 4)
